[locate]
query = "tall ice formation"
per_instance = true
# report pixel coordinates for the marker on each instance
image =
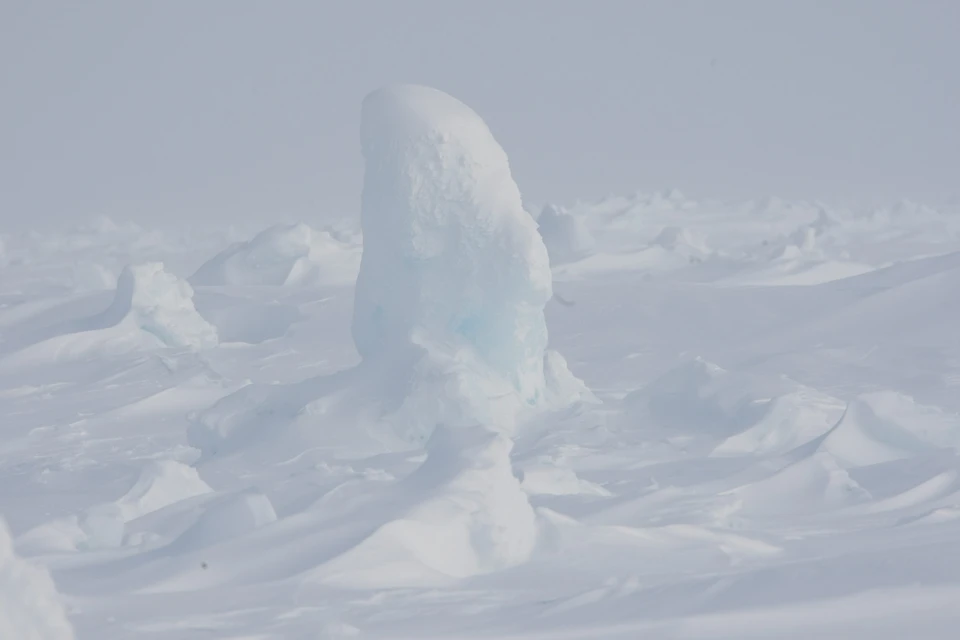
(450, 257)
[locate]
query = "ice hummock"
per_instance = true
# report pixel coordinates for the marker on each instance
(158, 304)
(283, 255)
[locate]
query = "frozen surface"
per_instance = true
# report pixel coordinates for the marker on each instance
(283, 255)
(30, 607)
(160, 304)
(765, 444)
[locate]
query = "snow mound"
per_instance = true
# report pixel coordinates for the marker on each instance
(30, 608)
(161, 483)
(565, 235)
(160, 305)
(104, 526)
(812, 484)
(748, 414)
(471, 517)
(884, 426)
(227, 517)
(683, 242)
(283, 255)
(800, 259)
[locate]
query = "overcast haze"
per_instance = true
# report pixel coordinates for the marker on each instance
(245, 110)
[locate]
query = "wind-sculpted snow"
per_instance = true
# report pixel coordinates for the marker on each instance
(465, 515)
(883, 426)
(742, 414)
(755, 243)
(151, 309)
(30, 608)
(769, 445)
(283, 255)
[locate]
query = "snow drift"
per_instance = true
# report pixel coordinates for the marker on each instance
(151, 309)
(30, 608)
(161, 483)
(883, 426)
(742, 414)
(283, 255)
(469, 516)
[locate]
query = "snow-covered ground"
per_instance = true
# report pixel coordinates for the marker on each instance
(698, 420)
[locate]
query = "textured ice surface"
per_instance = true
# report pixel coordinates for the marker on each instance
(450, 256)
(806, 485)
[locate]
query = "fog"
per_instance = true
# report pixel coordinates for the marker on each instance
(223, 110)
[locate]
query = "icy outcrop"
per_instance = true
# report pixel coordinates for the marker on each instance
(452, 264)
(448, 311)
(565, 234)
(30, 608)
(283, 255)
(160, 305)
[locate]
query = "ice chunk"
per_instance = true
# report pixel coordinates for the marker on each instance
(29, 605)
(746, 414)
(159, 304)
(283, 255)
(449, 255)
(91, 276)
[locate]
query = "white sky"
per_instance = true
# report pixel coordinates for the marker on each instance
(233, 109)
